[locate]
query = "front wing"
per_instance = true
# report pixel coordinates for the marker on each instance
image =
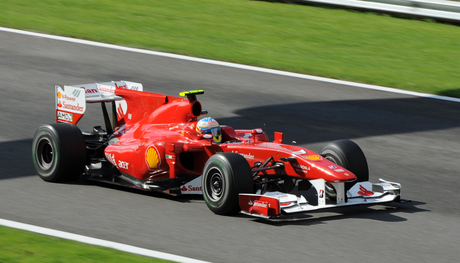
(273, 204)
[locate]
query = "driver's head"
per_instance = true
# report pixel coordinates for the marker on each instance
(209, 126)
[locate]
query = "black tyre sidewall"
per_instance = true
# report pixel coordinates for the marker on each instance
(334, 156)
(349, 155)
(236, 178)
(69, 152)
(45, 135)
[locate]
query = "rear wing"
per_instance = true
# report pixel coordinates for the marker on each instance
(71, 100)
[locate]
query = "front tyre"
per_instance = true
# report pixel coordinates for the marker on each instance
(349, 155)
(225, 176)
(59, 152)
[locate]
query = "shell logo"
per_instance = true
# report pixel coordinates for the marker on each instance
(313, 157)
(152, 157)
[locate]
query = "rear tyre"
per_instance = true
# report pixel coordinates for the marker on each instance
(225, 176)
(350, 156)
(59, 152)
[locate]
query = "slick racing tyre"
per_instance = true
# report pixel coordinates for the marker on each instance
(59, 152)
(350, 156)
(225, 175)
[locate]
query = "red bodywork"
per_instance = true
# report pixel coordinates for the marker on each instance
(157, 140)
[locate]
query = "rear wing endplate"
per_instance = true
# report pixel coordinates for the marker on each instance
(71, 100)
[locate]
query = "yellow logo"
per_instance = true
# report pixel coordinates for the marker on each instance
(152, 158)
(59, 95)
(313, 157)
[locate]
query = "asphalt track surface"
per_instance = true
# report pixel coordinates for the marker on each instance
(411, 140)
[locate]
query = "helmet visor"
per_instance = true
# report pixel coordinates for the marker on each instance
(216, 132)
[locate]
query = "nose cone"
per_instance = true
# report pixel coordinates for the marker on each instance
(316, 167)
(339, 174)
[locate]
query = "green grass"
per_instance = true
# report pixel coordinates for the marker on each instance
(17, 246)
(362, 47)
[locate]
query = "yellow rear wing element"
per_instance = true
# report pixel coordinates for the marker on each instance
(191, 94)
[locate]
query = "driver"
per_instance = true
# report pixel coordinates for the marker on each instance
(209, 126)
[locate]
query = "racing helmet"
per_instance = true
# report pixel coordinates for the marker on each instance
(209, 126)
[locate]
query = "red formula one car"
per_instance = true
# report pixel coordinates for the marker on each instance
(157, 142)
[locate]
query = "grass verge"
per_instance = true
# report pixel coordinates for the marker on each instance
(18, 246)
(362, 47)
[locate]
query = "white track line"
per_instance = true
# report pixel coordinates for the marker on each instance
(98, 242)
(232, 65)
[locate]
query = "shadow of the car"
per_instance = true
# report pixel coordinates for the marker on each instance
(392, 212)
(16, 159)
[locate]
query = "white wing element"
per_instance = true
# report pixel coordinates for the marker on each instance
(71, 100)
(105, 91)
(70, 104)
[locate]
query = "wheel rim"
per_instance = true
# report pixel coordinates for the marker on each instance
(45, 154)
(215, 185)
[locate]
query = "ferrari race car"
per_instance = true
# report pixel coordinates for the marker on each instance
(161, 143)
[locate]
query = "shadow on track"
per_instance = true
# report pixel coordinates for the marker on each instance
(379, 212)
(311, 122)
(384, 213)
(16, 159)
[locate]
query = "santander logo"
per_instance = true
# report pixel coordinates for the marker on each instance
(191, 188)
(261, 204)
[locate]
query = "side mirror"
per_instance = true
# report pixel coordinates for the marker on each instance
(278, 137)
